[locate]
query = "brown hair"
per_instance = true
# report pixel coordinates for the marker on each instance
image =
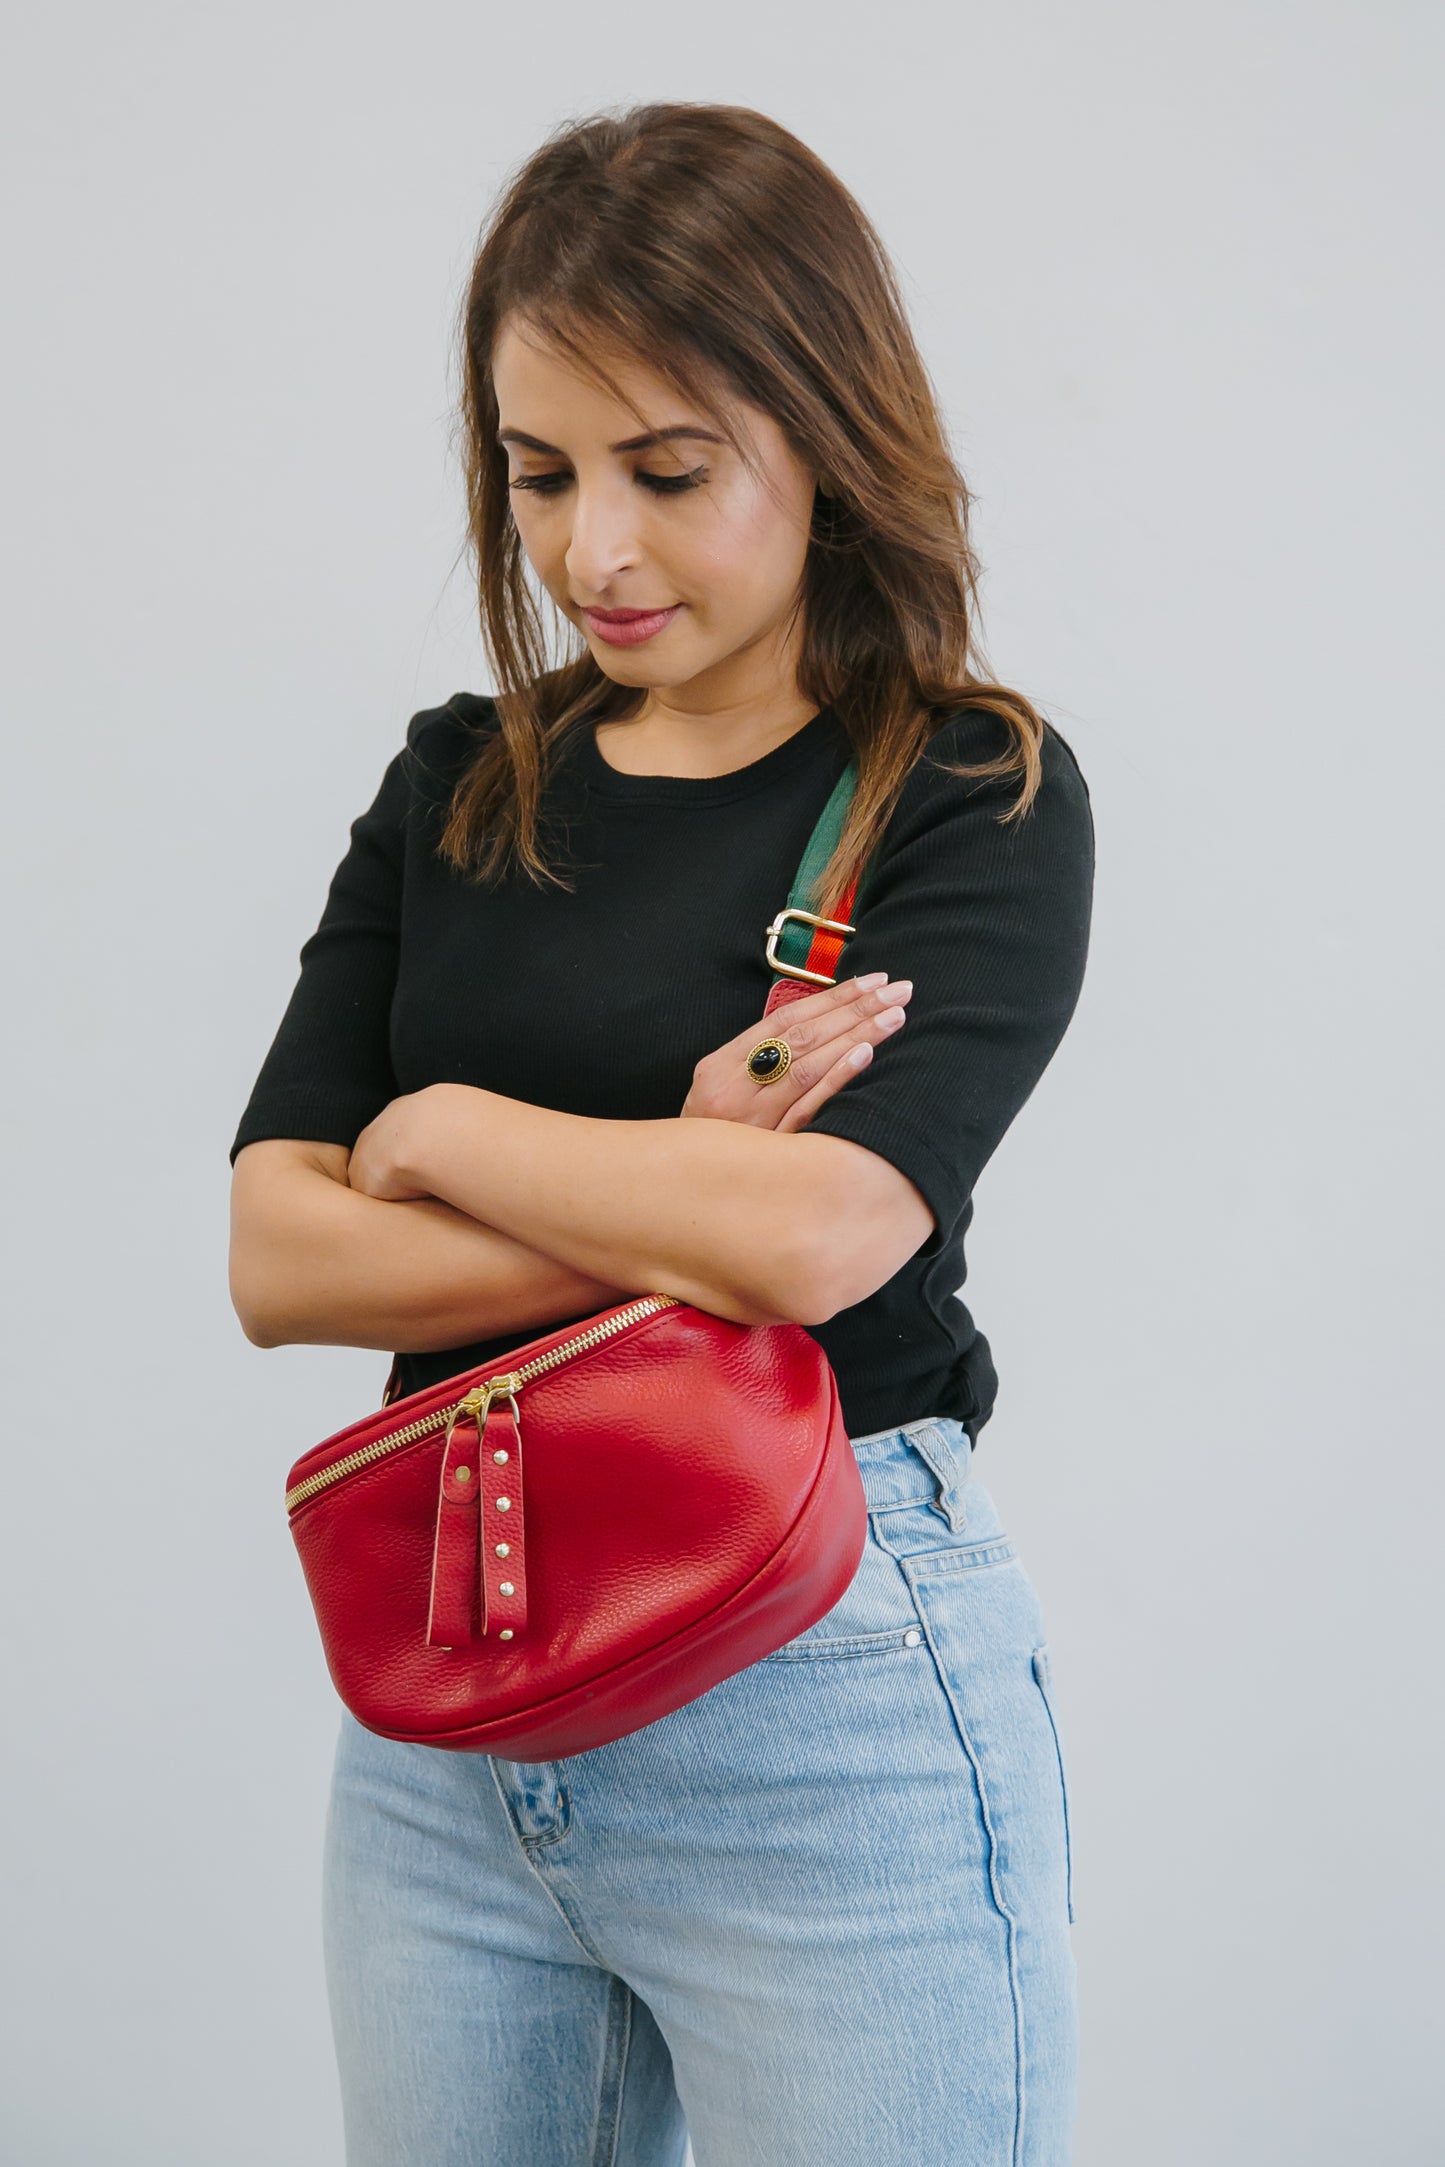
(712, 241)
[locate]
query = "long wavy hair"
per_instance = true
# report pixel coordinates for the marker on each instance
(710, 241)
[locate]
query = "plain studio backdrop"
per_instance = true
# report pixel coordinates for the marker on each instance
(1171, 271)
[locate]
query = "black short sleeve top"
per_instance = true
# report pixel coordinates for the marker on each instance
(601, 1000)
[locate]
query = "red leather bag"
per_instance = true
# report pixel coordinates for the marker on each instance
(559, 1546)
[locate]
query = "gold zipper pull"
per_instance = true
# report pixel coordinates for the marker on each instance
(473, 1404)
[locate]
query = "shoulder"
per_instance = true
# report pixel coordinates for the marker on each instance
(1059, 815)
(442, 741)
(948, 850)
(972, 735)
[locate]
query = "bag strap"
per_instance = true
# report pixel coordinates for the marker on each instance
(804, 948)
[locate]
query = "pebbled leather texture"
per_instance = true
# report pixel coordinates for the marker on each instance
(692, 1501)
(784, 990)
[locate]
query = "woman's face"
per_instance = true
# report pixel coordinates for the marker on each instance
(678, 527)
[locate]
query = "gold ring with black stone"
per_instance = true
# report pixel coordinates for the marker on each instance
(769, 1059)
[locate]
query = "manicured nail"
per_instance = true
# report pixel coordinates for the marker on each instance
(874, 978)
(860, 1056)
(890, 1019)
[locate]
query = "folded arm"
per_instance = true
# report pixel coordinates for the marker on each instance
(386, 1241)
(749, 1223)
(314, 1261)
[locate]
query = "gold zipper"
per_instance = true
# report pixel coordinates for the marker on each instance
(471, 1403)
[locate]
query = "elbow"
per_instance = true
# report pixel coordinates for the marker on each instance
(801, 1286)
(866, 1220)
(255, 1320)
(819, 1301)
(847, 1266)
(271, 1265)
(260, 1335)
(259, 1289)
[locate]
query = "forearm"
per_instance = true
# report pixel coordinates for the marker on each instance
(315, 1262)
(716, 1212)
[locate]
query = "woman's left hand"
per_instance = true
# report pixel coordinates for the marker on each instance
(830, 1036)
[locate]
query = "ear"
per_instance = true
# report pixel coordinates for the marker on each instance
(827, 485)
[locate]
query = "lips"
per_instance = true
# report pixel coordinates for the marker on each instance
(629, 627)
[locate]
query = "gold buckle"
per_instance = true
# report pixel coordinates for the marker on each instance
(796, 970)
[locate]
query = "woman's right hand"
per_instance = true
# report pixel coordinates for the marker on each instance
(830, 1036)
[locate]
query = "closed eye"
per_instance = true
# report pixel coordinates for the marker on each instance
(549, 485)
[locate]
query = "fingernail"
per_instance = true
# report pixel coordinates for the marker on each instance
(860, 1056)
(874, 978)
(890, 1019)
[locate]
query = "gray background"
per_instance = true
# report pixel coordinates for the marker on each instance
(1170, 268)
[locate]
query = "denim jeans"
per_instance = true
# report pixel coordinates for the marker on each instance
(818, 1917)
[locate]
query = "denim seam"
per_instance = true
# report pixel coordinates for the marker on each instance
(923, 1564)
(897, 1504)
(614, 2074)
(885, 1641)
(995, 1889)
(1043, 1680)
(545, 1869)
(978, 1557)
(530, 1846)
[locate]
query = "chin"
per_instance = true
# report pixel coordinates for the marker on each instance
(634, 666)
(624, 670)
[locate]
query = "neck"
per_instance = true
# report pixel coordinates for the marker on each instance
(662, 741)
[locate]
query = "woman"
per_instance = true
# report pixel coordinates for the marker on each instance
(822, 1911)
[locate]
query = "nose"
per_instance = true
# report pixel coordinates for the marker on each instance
(603, 542)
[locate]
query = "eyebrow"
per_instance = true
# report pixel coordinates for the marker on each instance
(629, 443)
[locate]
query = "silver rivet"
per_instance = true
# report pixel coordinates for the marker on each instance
(500, 1456)
(506, 1633)
(912, 1637)
(504, 1504)
(504, 1549)
(507, 1588)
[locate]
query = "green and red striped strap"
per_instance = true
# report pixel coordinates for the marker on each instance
(793, 944)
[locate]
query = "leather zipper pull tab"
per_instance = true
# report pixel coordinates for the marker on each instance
(502, 1535)
(454, 1573)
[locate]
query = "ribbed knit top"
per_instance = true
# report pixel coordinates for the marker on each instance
(601, 1001)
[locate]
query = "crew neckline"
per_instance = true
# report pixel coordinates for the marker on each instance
(822, 731)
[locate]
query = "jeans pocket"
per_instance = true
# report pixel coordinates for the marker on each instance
(874, 1615)
(1044, 1678)
(920, 1502)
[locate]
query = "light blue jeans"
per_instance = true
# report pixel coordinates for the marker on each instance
(818, 1917)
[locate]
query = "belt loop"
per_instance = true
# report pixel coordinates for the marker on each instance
(949, 1464)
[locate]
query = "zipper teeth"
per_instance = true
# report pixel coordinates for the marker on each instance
(440, 1416)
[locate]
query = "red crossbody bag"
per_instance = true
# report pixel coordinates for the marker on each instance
(576, 1537)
